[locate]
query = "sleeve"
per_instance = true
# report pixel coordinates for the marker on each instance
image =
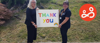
(68, 14)
(28, 14)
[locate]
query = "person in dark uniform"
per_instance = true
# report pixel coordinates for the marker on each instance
(64, 24)
(31, 21)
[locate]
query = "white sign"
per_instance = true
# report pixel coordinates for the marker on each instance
(47, 18)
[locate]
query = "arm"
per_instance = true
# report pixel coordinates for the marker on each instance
(32, 21)
(29, 16)
(66, 19)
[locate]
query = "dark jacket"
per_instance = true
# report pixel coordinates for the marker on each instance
(30, 16)
(67, 13)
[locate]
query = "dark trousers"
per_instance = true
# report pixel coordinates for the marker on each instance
(64, 34)
(32, 33)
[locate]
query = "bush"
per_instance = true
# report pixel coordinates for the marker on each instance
(5, 14)
(42, 1)
(11, 3)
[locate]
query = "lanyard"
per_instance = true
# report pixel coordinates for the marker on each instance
(62, 12)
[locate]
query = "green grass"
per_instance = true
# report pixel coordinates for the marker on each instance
(80, 31)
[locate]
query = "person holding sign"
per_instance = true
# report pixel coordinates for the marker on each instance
(31, 21)
(64, 21)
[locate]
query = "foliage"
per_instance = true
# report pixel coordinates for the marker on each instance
(11, 3)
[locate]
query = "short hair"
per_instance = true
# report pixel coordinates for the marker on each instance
(66, 2)
(29, 4)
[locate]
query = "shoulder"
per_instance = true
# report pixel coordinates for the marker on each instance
(28, 9)
(68, 11)
(62, 10)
